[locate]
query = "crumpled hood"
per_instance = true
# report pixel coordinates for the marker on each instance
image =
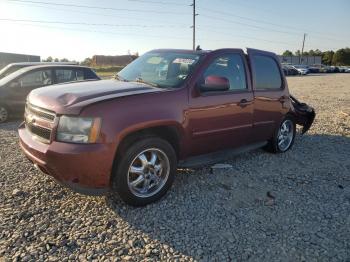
(72, 97)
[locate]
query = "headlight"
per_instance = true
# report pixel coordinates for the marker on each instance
(78, 129)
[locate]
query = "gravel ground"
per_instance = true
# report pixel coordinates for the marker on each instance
(287, 207)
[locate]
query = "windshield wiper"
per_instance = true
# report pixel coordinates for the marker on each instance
(140, 80)
(118, 77)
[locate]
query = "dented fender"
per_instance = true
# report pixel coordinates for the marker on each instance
(304, 114)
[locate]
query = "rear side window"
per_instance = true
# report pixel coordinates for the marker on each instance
(65, 75)
(79, 75)
(266, 73)
(89, 74)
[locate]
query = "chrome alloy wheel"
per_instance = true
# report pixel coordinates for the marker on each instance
(3, 114)
(285, 135)
(148, 172)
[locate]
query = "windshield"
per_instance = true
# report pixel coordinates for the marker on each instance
(12, 76)
(168, 69)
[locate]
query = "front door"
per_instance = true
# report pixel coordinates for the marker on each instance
(221, 119)
(20, 87)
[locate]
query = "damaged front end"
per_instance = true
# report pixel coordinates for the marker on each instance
(304, 114)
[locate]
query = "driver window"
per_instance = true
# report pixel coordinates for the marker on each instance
(231, 67)
(36, 79)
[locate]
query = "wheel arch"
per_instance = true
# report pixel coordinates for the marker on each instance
(170, 133)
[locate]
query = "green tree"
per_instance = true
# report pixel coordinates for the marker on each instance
(49, 59)
(327, 57)
(64, 60)
(56, 60)
(318, 52)
(311, 52)
(342, 57)
(287, 53)
(87, 61)
(297, 53)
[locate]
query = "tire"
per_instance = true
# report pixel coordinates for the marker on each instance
(274, 145)
(4, 114)
(138, 170)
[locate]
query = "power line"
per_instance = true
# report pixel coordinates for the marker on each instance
(261, 27)
(89, 13)
(157, 2)
(83, 23)
(260, 21)
(102, 32)
(247, 37)
(161, 2)
(245, 24)
(99, 7)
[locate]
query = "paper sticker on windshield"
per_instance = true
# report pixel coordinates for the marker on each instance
(154, 60)
(186, 61)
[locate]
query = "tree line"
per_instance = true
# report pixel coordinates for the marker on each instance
(51, 59)
(340, 57)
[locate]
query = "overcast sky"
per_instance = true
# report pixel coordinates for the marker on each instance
(105, 27)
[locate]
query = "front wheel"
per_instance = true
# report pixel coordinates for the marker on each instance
(4, 114)
(145, 172)
(283, 138)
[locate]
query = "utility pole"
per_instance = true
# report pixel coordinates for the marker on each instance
(302, 51)
(194, 24)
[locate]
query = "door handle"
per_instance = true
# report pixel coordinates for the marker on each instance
(283, 99)
(244, 102)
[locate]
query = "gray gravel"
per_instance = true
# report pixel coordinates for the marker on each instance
(264, 207)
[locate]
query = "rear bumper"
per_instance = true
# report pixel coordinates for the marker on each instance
(85, 169)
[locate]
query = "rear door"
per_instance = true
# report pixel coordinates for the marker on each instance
(270, 89)
(221, 119)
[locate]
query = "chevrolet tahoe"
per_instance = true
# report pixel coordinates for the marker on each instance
(167, 109)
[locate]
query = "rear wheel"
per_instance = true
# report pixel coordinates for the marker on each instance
(4, 114)
(145, 172)
(284, 136)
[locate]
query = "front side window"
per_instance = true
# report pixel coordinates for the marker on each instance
(164, 69)
(266, 72)
(230, 67)
(36, 79)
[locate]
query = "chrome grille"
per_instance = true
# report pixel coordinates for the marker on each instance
(39, 131)
(42, 113)
(39, 122)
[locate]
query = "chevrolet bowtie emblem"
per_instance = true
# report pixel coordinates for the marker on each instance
(30, 119)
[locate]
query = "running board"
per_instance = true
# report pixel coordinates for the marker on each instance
(212, 158)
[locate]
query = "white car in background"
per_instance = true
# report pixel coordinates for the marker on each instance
(302, 69)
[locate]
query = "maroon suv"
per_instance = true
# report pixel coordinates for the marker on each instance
(166, 109)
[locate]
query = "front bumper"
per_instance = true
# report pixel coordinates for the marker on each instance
(85, 168)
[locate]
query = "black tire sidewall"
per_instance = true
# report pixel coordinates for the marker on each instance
(120, 183)
(8, 113)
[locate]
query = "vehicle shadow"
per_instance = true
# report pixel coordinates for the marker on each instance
(11, 125)
(253, 207)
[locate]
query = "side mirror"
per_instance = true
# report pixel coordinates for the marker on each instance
(214, 83)
(15, 84)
